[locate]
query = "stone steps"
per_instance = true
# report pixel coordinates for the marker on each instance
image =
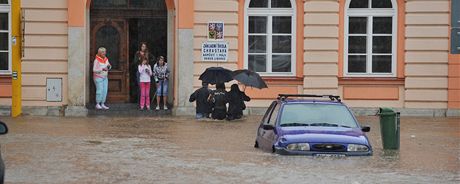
(126, 110)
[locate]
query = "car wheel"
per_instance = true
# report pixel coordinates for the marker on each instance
(256, 145)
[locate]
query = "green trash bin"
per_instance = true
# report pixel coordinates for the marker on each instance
(389, 128)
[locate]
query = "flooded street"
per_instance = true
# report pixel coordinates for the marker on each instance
(182, 150)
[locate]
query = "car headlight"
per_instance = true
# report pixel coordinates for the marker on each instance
(357, 147)
(298, 147)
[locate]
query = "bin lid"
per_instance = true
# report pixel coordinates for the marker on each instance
(386, 111)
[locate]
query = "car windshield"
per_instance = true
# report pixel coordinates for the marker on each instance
(316, 115)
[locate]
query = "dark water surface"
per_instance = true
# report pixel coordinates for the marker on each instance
(182, 150)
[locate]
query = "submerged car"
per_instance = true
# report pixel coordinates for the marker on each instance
(311, 125)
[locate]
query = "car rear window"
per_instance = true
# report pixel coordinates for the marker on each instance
(317, 115)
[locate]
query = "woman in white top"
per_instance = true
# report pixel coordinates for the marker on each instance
(145, 72)
(101, 69)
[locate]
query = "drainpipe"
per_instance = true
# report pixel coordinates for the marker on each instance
(16, 42)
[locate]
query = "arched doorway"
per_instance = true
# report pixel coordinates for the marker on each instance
(120, 25)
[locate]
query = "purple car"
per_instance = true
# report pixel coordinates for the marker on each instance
(315, 127)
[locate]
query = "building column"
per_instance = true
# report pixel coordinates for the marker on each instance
(170, 55)
(184, 67)
(76, 59)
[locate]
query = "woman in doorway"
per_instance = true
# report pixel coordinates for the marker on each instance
(145, 72)
(161, 73)
(143, 52)
(101, 69)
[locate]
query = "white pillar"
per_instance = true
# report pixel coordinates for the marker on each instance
(184, 72)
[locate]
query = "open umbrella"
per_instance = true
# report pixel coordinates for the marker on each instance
(215, 75)
(249, 78)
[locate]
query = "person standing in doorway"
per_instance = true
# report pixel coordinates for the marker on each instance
(145, 72)
(143, 52)
(101, 67)
(161, 73)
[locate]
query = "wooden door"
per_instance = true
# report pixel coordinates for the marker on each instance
(113, 35)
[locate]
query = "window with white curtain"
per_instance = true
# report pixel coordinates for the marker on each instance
(270, 37)
(5, 35)
(370, 38)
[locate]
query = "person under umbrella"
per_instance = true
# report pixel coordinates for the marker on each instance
(236, 105)
(203, 106)
(219, 100)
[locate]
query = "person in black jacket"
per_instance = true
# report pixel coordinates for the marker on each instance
(202, 97)
(219, 100)
(236, 104)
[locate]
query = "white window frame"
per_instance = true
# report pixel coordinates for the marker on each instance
(6, 8)
(269, 13)
(370, 13)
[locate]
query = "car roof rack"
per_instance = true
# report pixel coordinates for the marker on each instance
(331, 97)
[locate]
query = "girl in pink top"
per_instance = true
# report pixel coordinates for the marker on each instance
(145, 72)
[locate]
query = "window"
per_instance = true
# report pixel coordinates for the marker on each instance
(110, 3)
(5, 46)
(109, 38)
(317, 113)
(274, 115)
(370, 38)
(455, 28)
(267, 113)
(143, 4)
(270, 40)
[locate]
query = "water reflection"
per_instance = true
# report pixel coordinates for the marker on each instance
(183, 150)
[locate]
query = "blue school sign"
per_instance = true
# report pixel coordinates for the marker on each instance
(214, 51)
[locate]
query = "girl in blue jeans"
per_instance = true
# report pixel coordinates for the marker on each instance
(101, 69)
(161, 73)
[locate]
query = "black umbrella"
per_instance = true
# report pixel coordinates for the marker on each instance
(215, 75)
(249, 78)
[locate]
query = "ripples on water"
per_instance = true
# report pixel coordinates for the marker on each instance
(183, 150)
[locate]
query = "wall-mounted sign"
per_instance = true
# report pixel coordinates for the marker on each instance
(214, 51)
(215, 31)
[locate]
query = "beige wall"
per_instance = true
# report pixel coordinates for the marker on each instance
(426, 49)
(321, 34)
(427, 41)
(45, 49)
(215, 10)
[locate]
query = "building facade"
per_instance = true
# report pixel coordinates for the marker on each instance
(373, 53)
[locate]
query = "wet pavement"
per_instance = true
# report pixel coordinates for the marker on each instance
(182, 150)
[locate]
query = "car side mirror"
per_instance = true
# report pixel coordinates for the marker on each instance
(366, 129)
(3, 128)
(268, 127)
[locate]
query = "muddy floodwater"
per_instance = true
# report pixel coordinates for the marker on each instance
(183, 150)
